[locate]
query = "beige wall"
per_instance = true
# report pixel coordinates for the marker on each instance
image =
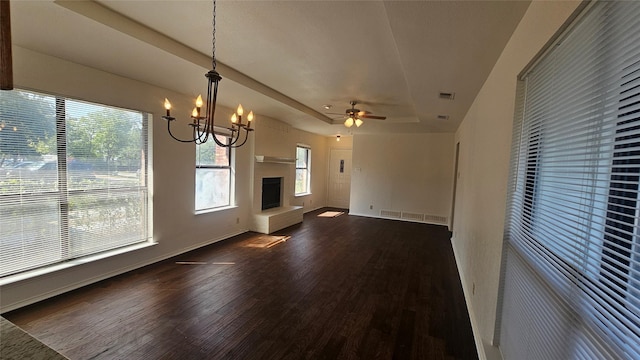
(402, 172)
(176, 228)
(485, 141)
(346, 142)
(278, 139)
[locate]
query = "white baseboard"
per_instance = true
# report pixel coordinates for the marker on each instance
(313, 209)
(480, 347)
(397, 218)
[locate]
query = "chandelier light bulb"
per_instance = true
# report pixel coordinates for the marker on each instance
(358, 122)
(240, 110)
(199, 101)
(234, 118)
(167, 106)
(195, 113)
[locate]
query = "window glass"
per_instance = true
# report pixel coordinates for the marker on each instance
(213, 174)
(72, 179)
(303, 170)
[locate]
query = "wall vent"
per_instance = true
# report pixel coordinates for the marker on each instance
(391, 214)
(435, 219)
(417, 217)
(413, 216)
(443, 117)
(447, 95)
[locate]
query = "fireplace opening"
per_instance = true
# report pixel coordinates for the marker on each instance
(271, 192)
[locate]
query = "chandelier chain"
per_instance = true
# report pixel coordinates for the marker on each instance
(213, 41)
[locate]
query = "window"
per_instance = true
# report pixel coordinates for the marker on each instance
(573, 209)
(213, 174)
(303, 170)
(73, 179)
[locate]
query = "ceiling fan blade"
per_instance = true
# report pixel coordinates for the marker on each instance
(365, 116)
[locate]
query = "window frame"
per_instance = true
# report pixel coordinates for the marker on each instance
(66, 193)
(229, 167)
(306, 169)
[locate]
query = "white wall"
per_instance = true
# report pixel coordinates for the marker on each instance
(485, 141)
(275, 138)
(402, 172)
(175, 226)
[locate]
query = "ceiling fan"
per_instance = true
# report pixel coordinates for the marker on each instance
(355, 116)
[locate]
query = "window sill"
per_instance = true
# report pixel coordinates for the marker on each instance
(71, 263)
(222, 208)
(302, 194)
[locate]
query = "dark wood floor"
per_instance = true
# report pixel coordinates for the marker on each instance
(340, 288)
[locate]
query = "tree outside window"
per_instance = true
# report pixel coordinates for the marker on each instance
(213, 175)
(303, 170)
(72, 179)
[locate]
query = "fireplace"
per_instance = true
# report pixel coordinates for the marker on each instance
(271, 188)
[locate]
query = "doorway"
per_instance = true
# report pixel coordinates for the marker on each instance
(339, 178)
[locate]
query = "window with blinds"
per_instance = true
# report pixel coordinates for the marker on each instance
(572, 228)
(73, 179)
(213, 174)
(303, 170)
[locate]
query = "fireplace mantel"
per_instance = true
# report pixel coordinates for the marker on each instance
(274, 159)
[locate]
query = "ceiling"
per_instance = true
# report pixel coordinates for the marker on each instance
(286, 59)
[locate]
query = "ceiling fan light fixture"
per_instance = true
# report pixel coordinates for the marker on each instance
(355, 116)
(349, 122)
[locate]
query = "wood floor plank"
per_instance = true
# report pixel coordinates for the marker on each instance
(340, 288)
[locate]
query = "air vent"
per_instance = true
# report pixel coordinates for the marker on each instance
(412, 216)
(443, 117)
(417, 217)
(390, 214)
(434, 219)
(447, 95)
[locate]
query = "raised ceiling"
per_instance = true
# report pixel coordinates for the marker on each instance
(286, 59)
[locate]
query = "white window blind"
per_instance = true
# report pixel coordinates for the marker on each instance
(572, 278)
(73, 179)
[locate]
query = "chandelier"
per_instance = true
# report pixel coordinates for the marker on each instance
(203, 122)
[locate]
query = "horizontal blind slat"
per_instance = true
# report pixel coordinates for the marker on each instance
(573, 205)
